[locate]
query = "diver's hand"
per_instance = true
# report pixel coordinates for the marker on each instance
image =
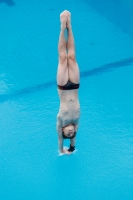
(64, 151)
(69, 153)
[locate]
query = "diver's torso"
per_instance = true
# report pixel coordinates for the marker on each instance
(69, 111)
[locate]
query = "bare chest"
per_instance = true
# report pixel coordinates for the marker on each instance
(69, 116)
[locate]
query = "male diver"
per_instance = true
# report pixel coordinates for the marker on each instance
(68, 79)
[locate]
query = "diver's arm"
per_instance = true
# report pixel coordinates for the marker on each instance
(60, 138)
(73, 140)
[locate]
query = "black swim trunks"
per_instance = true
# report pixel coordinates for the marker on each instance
(68, 86)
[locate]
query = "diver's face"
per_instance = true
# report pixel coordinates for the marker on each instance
(69, 130)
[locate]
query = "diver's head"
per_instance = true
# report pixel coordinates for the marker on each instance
(68, 131)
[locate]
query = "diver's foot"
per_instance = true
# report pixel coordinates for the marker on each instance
(63, 19)
(68, 24)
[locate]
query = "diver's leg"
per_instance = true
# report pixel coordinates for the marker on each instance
(62, 73)
(73, 68)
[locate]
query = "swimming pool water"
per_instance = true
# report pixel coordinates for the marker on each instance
(30, 168)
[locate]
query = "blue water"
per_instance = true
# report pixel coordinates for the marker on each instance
(102, 167)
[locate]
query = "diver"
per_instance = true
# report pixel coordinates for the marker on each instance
(68, 79)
